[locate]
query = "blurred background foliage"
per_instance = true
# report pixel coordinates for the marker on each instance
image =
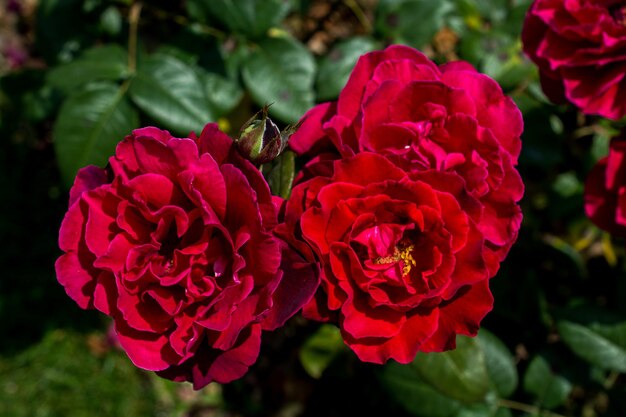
(76, 76)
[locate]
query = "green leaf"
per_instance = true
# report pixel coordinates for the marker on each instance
(106, 63)
(248, 17)
(281, 72)
(320, 349)
(282, 174)
(549, 389)
(460, 373)
(405, 385)
(335, 68)
(499, 362)
(396, 19)
(111, 21)
(601, 141)
(179, 96)
(234, 60)
(89, 126)
(480, 410)
(603, 345)
(222, 94)
(567, 184)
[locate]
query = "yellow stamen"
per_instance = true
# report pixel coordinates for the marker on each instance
(405, 255)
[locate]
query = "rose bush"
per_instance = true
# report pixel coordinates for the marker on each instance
(605, 190)
(174, 241)
(397, 281)
(580, 49)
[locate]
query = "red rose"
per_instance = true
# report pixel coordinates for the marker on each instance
(174, 241)
(403, 265)
(605, 190)
(580, 49)
(409, 201)
(399, 104)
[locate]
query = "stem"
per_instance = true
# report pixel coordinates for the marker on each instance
(589, 130)
(178, 19)
(527, 408)
(183, 21)
(133, 20)
(360, 15)
(610, 380)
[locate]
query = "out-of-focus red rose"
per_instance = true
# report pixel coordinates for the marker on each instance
(421, 117)
(580, 49)
(605, 190)
(174, 241)
(409, 201)
(403, 260)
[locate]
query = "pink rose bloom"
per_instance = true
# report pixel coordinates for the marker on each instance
(580, 49)
(174, 241)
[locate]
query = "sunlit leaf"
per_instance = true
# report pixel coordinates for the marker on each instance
(280, 71)
(222, 94)
(89, 126)
(180, 96)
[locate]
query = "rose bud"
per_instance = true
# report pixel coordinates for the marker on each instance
(260, 140)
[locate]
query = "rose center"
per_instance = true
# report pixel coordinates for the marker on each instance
(169, 244)
(402, 254)
(618, 12)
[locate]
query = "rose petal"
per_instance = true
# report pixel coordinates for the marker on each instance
(300, 279)
(209, 365)
(77, 280)
(150, 351)
(352, 95)
(461, 315)
(310, 137)
(87, 179)
(419, 326)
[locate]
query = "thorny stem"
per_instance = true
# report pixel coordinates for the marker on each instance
(527, 408)
(360, 15)
(133, 20)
